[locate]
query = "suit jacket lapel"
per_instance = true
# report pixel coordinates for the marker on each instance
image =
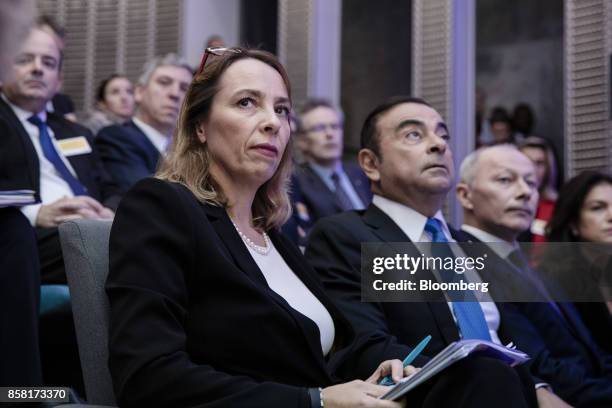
(237, 251)
(146, 144)
(28, 147)
(388, 231)
(316, 187)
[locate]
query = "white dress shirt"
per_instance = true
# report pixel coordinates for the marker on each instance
(412, 223)
(52, 186)
(158, 139)
(282, 280)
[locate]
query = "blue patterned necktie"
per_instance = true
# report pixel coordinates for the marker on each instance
(469, 314)
(53, 156)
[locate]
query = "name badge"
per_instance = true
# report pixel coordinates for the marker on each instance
(74, 146)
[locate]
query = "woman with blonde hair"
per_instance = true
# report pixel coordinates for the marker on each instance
(210, 305)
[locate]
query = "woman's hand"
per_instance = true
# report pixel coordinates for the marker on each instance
(393, 368)
(359, 394)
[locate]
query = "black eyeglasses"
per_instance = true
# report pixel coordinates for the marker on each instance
(218, 51)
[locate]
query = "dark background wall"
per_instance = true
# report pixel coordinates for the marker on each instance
(376, 59)
(519, 58)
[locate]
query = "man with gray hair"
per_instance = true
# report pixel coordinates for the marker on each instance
(499, 193)
(132, 151)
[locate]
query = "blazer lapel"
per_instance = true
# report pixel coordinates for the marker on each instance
(388, 231)
(234, 245)
(296, 262)
(240, 255)
(152, 152)
(316, 188)
(24, 139)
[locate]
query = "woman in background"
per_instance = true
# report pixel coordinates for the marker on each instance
(541, 153)
(114, 103)
(583, 213)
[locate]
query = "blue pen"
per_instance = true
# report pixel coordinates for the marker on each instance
(408, 360)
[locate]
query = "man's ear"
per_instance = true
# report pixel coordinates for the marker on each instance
(201, 132)
(59, 83)
(138, 93)
(369, 162)
(464, 195)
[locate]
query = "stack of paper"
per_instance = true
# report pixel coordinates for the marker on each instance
(16, 198)
(451, 354)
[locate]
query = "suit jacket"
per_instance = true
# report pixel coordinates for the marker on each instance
(62, 104)
(88, 168)
(127, 153)
(193, 321)
(562, 350)
(15, 171)
(319, 199)
(334, 250)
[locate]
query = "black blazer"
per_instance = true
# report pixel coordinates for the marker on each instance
(127, 153)
(193, 321)
(334, 250)
(15, 171)
(88, 168)
(562, 350)
(319, 199)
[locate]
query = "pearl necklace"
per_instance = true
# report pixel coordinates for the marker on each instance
(263, 250)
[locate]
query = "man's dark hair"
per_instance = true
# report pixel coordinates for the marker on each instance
(101, 90)
(46, 20)
(369, 131)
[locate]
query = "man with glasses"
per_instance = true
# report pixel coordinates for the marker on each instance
(325, 185)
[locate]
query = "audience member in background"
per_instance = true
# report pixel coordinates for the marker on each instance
(114, 104)
(61, 103)
(327, 186)
(133, 150)
(19, 267)
(498, 193)
(501, 126)
(406, 156)
(542, 154)
(214, 41)
(584, 214)
(483, 128)
(210, 305)
(523, 121)
(61, 164)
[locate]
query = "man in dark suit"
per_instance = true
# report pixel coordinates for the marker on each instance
(498, 192)
(131, 152)
(64, 171)
(19, 268)
(326, 185)
(409, 163)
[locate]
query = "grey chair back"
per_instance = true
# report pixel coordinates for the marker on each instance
(85, 249)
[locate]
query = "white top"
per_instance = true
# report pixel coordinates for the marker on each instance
(52, 185)
(285, 283)
(325, 174)
(412, 223)
(159, 140)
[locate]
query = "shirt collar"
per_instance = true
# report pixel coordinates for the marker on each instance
(502, 248)
(159, 140)
(325, 172)
(22, 114)
(411, 222)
